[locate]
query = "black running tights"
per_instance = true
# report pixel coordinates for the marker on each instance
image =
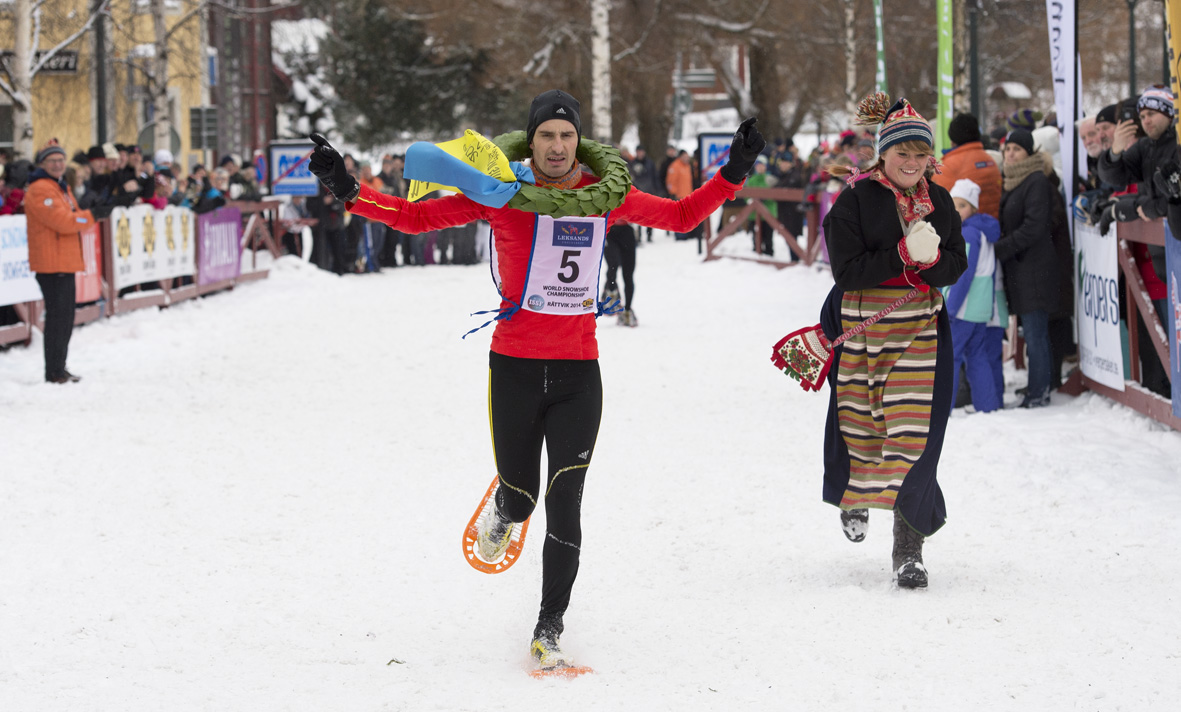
(620, 252)
(559, 402)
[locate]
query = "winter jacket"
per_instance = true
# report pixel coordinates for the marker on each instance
(979, 294)
(862, 259)
(1137, 164)
(1026, 247)
(54, 226)
(643, 173)
(680, 180)
(971, 161)
(530, 334)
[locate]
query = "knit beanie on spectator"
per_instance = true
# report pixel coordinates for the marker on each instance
(964, 128)
(1157, 98)
(1024, 119)
(95, 152)
(50, 148)
(1106, 115)
(1023, 138)
(110, 152)
(553, 104)
(968, 190)
(163, 157)
(900, 123)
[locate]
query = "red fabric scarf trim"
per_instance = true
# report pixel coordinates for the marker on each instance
(566, 182)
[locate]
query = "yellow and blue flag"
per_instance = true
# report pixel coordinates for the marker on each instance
(470, 164)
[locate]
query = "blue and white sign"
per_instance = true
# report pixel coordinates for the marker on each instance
(715, 151)
(17, 283)
(289, 174)
(1173, 313)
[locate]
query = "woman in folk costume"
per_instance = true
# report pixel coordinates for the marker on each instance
(891, 233)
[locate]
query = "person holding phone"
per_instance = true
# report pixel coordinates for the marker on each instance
(1135, 161)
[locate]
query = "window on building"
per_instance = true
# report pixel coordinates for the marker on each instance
(7, 132)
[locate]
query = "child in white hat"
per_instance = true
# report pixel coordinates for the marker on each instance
(976, 303)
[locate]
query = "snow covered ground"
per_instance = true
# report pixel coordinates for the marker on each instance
(255, 502)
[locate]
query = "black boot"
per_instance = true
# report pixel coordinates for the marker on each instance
(908, 555)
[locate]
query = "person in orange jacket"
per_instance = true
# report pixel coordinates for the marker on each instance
(680, 181)
(968, 159)
(55, 224)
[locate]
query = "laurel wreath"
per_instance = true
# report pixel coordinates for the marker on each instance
(596, 199)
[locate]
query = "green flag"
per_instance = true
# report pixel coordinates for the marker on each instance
(946, 71)
(881, 68)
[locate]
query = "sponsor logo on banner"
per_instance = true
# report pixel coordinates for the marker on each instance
(1096, 275)
(17, 283)
(573, 234)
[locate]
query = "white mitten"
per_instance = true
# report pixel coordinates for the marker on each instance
(922, 242)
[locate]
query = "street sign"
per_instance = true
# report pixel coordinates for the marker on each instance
(289, 174)
(715, 151)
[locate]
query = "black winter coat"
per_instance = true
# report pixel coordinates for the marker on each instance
(862, 232)
(1137, 164)
(1026, 248)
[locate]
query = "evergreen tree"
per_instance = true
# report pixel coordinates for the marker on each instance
(391, 77)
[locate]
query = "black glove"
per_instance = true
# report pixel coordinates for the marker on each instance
(328, 165)
(1167, 181)
(101, 211)
(1097, 208)
(748, 143)
(1122, 210)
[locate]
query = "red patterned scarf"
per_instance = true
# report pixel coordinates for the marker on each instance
(913, 204)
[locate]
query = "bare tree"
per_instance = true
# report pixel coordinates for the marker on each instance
(29, 59)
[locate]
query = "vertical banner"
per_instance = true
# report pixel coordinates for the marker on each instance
(17, 283)
(219, 245)
(1173, 313)
(1172, 25)
(946, 72)
(880, 75)
(1065, 71)
(1096, 289)
(88, 285)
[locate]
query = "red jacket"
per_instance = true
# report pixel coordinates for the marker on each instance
(530, 334)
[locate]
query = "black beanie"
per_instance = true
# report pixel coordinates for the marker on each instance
(964, 128)
(96, 152)
(553, 104)
(1023, 138)
(1106, 115)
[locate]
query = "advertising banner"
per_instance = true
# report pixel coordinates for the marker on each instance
(17, 283)
(219, 245)
(1067, 75)
(88, 285)
(1173, 314)
(946, 72)
(151, 245)
(1096, 291)
(179, 246)
(880, 70)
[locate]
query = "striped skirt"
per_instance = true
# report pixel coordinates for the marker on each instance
(884, 404)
